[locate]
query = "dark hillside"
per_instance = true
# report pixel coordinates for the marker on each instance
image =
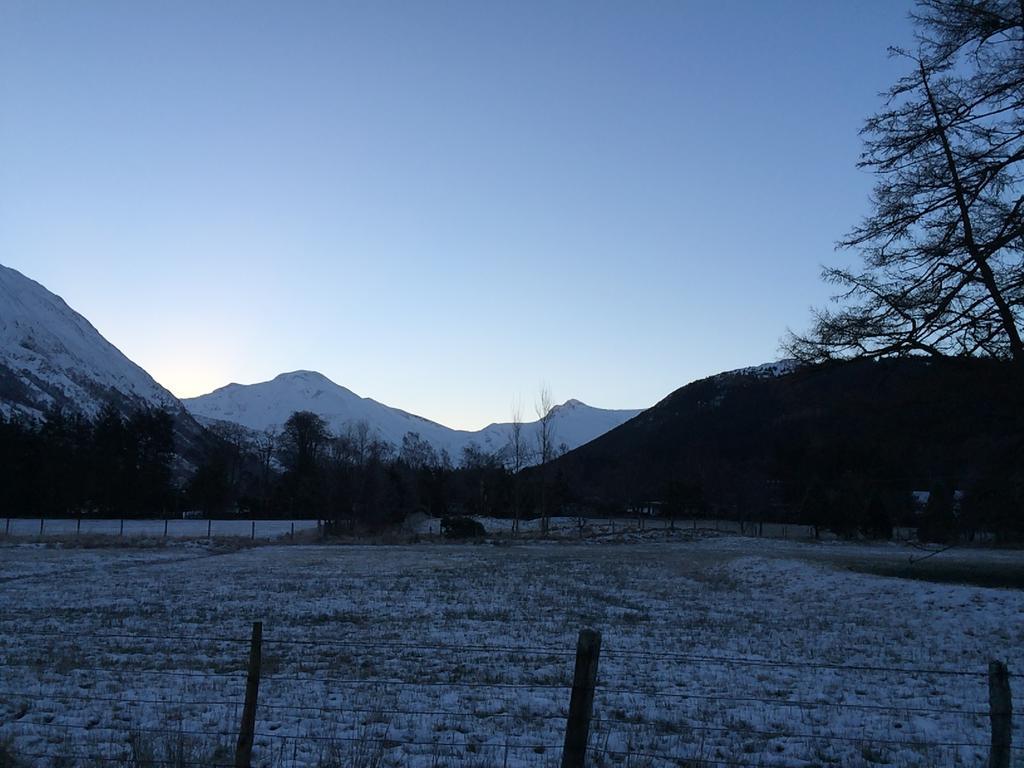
(839, 443)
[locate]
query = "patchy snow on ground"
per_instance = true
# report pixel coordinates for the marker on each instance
(725, 650)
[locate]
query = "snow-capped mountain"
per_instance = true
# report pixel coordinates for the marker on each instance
(573, 423)
(269, 404)
(52, 356)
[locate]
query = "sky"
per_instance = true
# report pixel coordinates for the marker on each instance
(441, 205)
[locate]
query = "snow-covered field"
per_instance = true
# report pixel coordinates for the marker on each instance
(723, 649)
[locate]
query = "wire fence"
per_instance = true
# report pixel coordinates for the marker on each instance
(155, 528)
(146, 699)
(288, 529)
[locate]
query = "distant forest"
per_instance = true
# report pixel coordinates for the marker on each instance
(126, 465)
(67, 464)
(840, 446)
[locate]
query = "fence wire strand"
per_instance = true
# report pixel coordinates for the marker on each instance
(313, 678)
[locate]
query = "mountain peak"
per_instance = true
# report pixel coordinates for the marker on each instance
(571, 403)
(301, 375)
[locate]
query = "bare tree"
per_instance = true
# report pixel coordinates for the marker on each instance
(236, 441)
(266, 448)
(545, 448)
(417, 453)
(518, 454)
(359, 434)
(943, 248)
(545, 434)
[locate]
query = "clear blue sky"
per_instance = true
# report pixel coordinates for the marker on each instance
(439, 204)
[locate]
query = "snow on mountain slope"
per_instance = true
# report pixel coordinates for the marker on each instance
(269, 404)
(766, 370)
(52, 356)
(573, 424)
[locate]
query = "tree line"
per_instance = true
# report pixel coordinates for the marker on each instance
(114, 465)
(125, 465)
(838, 447)
(353, 477)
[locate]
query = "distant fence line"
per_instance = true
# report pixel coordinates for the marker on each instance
(268, 529)
(178, 528)
(574, 699)
(174, 528)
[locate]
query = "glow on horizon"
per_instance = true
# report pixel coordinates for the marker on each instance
(186, 379)
(439, 205)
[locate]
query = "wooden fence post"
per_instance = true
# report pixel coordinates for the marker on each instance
(122, 527)
(253, 529)
(165, 527)
(292, 534)
(581, 704)
(7, 528)
(1000, 714)
(209, 527)
(247, 730)
(78, 527)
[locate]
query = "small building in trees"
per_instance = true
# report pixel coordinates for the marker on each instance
(646, 509)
